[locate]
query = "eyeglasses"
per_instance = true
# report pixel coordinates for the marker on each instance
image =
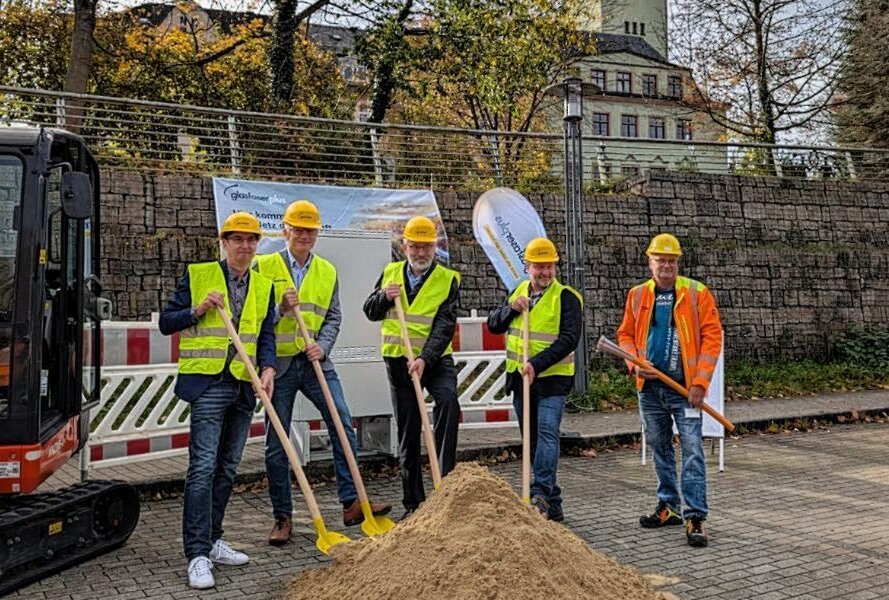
(303, 232)
(421, 247)
(663, 261)
(241, 241)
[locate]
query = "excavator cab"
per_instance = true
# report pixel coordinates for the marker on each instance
(51, 309)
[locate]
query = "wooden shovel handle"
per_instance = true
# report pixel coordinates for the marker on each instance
(334, 413)
(526, 409)
(418, 390)
(273, 417)
(616, 350)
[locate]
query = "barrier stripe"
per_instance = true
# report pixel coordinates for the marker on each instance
(179, 441)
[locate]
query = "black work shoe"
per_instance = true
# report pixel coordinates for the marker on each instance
(555, 513)
(663, 516)
(694, 531)
(541, 504)
(407, 513)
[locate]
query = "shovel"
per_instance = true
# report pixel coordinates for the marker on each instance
(418, 390)
(606, 345)
(326, 539)
(372, 524)
(526, 412)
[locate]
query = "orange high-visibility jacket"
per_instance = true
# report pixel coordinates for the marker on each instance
(697, 322)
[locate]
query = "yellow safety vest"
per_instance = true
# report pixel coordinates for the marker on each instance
(203, 347)
(543, 326)
(315, 296)
(420, 313)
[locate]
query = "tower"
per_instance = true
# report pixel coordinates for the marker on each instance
(646, 19)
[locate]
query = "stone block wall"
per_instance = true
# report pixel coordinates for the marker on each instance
(791, 262)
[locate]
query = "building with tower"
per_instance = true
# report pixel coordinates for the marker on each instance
(646, 102)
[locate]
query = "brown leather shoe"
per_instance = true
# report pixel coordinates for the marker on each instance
(353, 515)
(281, 531)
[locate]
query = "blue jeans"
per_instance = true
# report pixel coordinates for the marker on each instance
(546, 424)
(660, 406)
(300, 377)
(220, 424)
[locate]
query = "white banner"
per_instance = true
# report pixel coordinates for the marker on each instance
(504, 222)
(715, 397)
(367, 209)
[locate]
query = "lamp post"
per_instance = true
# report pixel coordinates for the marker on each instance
(572, 90)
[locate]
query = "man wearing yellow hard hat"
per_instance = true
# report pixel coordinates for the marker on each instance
(214, 380)
(304, 279)
(672, 322)
(429, 293)
(555, 318)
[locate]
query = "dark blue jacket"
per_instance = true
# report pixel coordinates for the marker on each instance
(176, 316)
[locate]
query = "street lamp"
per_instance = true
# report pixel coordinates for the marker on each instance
(572, 90)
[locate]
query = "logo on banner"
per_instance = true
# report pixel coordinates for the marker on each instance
(236, 195)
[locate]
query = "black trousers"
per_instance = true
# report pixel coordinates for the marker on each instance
(441, 382)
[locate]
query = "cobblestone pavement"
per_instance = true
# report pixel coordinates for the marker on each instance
(795, 515)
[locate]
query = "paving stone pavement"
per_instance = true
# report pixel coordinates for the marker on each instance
(581, 426)
(794, 515)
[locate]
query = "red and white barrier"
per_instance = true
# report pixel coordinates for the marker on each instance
(138, 359)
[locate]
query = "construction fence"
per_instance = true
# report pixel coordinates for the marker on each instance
(131, 134)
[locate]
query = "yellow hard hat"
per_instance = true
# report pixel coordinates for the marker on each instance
(421, 230)
(303, 213)
(241, 222)
(666, 244)
(541, 250)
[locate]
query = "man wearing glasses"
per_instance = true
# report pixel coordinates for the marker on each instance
(215, 382)
(305, 280)
(672, 322)
(429, 295)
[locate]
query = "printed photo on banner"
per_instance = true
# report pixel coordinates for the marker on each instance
(353, 208)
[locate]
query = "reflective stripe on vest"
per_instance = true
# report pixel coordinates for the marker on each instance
(203, 347)
(543, 324)
(315, 296)
(418, 315)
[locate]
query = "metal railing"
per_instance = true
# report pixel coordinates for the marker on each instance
(135, 134)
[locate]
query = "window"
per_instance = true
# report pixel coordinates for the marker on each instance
(635, 31)
(626, 27)
(629, 170)
(600, 124)
(642, 28)
(674, 86)
(11, 170)
(629, 126)
(683, 129)
(597, 76)
(624, 82)
(649, 85)
(657, 129)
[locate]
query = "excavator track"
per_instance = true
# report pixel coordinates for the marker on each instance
(41, 534)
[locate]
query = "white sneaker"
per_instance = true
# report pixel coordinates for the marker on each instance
(200, 575)
(224, 554)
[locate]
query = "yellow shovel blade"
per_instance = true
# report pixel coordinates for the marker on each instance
(327, 539)
(374, 525)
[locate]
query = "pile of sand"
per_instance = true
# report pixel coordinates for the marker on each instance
(473, 539)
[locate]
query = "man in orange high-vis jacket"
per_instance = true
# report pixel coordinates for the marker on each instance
(672, 322)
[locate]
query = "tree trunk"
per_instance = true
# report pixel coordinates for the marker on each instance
(281, 53)
(764, 92)
(384, 75)
(77, 77)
